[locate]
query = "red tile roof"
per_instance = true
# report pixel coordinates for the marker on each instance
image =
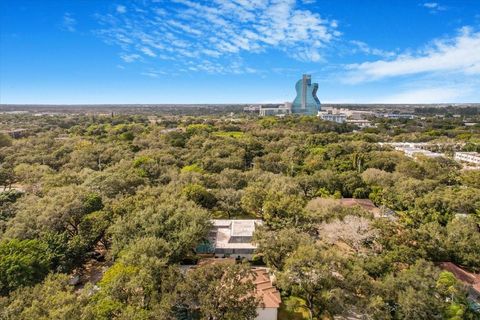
(268, 294)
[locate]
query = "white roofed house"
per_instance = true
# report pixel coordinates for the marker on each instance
(231, 238)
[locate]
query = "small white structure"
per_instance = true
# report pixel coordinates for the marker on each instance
(413, 152)
(402, 145)
(360, 123)
(233, 238)
(413, 149)
(470, 157)
(396, 115)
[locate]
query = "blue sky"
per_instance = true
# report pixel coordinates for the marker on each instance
(238, 51)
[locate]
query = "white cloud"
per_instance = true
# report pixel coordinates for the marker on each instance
(69, 23)
(365, 48)
(192, 30)
(185, 28)
(121, 9)
(434, 7)
(153, 73)
(460, 54)
(147, 51)
(130, 57)
(430, 5)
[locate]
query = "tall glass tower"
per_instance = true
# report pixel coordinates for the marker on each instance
(306, 102)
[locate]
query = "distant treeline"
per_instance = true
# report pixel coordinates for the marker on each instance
(143, 109)
(467, 111)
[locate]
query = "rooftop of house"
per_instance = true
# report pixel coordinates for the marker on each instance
(265, 291)
(235, 234)
(268, 295)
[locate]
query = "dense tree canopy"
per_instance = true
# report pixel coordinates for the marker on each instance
(99, 215)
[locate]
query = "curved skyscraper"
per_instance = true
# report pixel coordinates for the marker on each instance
(306, 101)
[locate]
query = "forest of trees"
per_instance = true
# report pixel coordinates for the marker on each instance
(137, 196)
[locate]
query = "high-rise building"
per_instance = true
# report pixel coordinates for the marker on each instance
(306, 102)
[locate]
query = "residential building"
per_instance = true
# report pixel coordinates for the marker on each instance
(231, 238)
(267, 294)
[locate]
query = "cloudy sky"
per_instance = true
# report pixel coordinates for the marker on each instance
(238, 51)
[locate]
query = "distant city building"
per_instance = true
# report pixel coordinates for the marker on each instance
(231, 238)
(396, 115)
(333, 114)
(306, 102)
(276, 111)
(350, 113)
(360, 123)
(470, 157)
(341, 115)
(338, 118)
(252, 108)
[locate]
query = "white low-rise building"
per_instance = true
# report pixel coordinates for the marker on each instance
(360, 123)
(231, 238)
(335, 117)
(470, 157)
(413, 152)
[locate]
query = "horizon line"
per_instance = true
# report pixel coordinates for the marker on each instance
(227, 103)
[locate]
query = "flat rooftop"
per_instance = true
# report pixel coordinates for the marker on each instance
(226, 229)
